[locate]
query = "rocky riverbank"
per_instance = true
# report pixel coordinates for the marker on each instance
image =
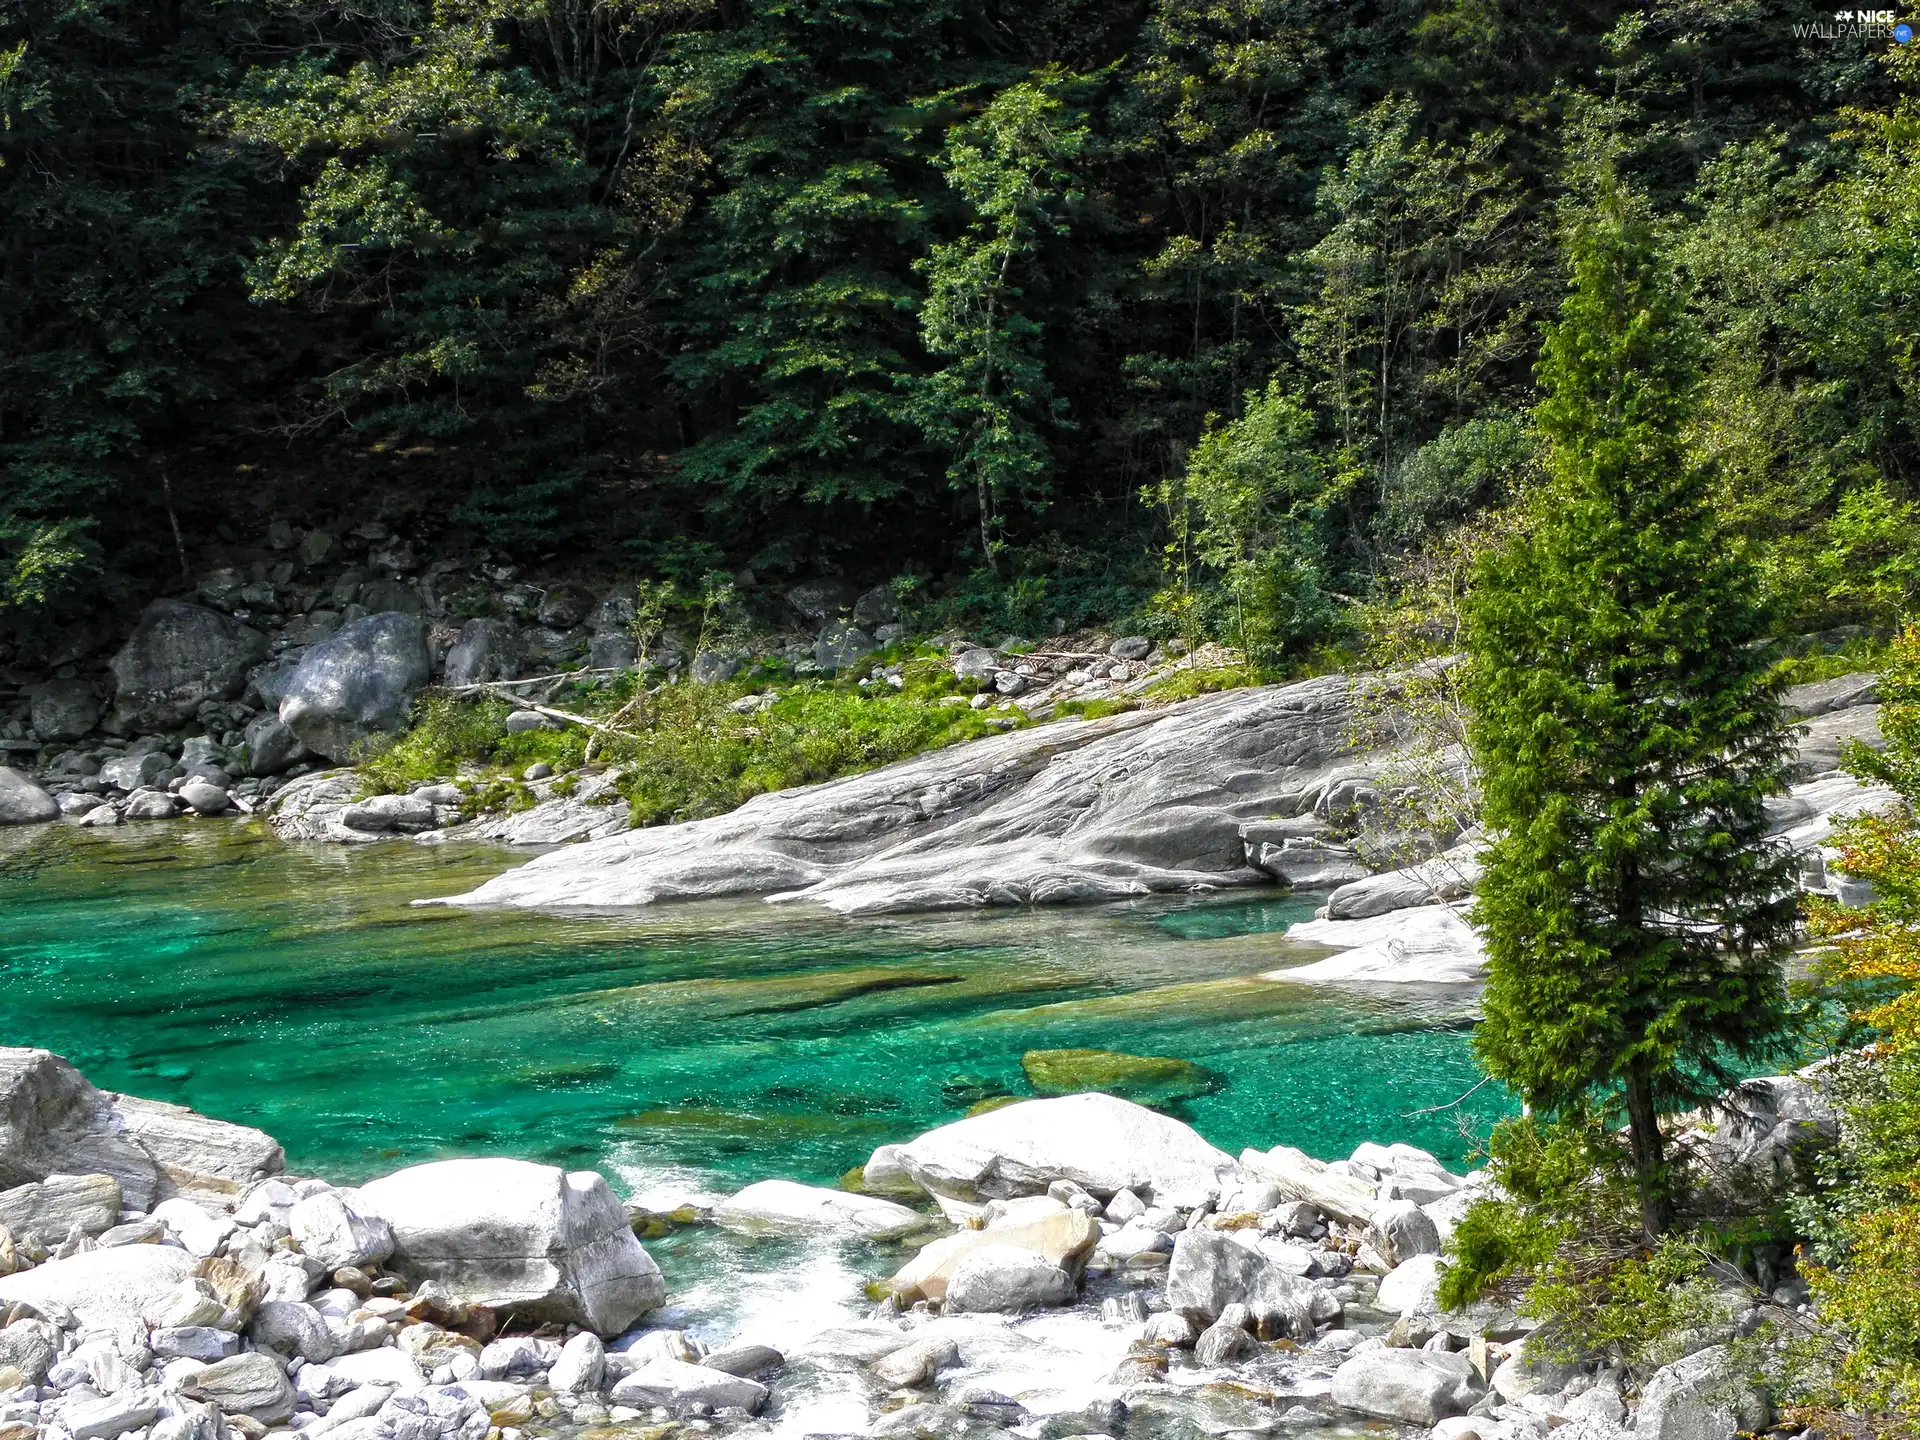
(1074, 1266)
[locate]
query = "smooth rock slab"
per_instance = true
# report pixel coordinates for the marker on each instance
(679, 1386)
(1415, 1387)
(785, 1205)
(48, 1210)
(1099, 1142)
(1424, 945)
(522, 1238)
(108, 1290)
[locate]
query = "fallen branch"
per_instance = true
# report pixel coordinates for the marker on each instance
(1436, 1109)
(494, 686)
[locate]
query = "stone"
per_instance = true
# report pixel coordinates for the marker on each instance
(785, 1205)
(1131, 647)
(178, 657)
(1402, 1230)
(1212, 1269)
(841, 644)
(581, 1366)
(194, 1342)
(1301, 1177)
(876, 607)
(205, 798)
(1062, 1240)
(151, 805)
(112, 1415)
(1411, 1287)
(1171, 1330)
(383, 1366)
(332, 1231)
(679, 1387)
(64, 709)
(483, 650)
(1101, 1143)
(1521, 1374)
(612, 650)
(1414, 1387)
(357, 683)
(750, 1362)
(1302, 866)
(45, 1212)
(30, 1347)
(917, 1362)
(820, 599)
(1706, 1396)
(292, 1328)
(1125, 1206)
(1450, 876)
(1000, 1278)
(517, 1356)
(1222, 1343)
(389, 814)
(1423, 945)
(251, 1384)
(1148, 1079)
(976, 665)
(714, 667)
(136, 772)
(22, 802)
(271, 746)
(548, 1245)
(108, 1290)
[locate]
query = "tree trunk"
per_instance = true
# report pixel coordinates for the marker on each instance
(1649, 1153)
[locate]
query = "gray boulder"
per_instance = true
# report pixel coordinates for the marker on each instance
(1211, 1270)
(547, 1245)
(581, 1367)
(1703, 1397)
(680, 1387)
(337, 1234)
(22, 802)
(64, 709)
(1402, 1230)
(1414, 1387)
(841, 644)
(178, 657)
(251, 1384)
(205, 1343)
(876, 607)
(271, 746)
(484, 650)
(1006, 1279)
(1222, 1343)
(385, 814)
(31, 1347)
(712, 667)
(111, 1415)
(917, 1362)
(820, 599)
(357, 683)
(204, 797)
(136, 771)
(152, 805)
(613, 650)
(291, 1328)
(53, 1122)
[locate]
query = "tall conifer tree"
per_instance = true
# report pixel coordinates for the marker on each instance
(1629, 732)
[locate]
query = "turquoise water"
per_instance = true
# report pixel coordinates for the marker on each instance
(296, 988)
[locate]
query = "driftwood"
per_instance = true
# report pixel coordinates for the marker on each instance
(519, 702)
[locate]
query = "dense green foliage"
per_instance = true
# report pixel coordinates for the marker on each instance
(923, 289)
(1628, 730)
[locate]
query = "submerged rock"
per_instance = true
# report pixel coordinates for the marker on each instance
(785, 1205)
(1147, 1079)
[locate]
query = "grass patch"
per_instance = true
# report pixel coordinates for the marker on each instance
(1092, 709)
(1866, 653)
(1202, 680)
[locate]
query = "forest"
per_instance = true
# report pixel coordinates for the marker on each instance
(1218, 317)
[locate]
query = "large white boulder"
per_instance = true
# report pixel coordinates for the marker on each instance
(108, 1290)
(1212, 1269)
(1006, 1279)
(786, 1205)
(1424, 945)
(1099, 1142)
(333, 1232)
(1706, 1396)
(530, 1239)
(1061, 1240)
(1415, 1387)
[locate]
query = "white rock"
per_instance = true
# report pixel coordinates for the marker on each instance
(337, 1235)
(1212, 1269)
(268, 1200)
(1006, 1279)
(1521, 1374)
(200, 1230)
(517, 1236)
(1426, 945)
(112, 1415)
(785, 1205)
(1706, 1396)
(679, 1386)
(1415, 1387)
(383, 1366)
(1402, 1230)
(110, 1290)
(1125, 1206)
(581, 1366)
(1412, 1286)
(1100, 1142)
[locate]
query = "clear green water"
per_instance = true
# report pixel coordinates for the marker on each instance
(297, 989)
